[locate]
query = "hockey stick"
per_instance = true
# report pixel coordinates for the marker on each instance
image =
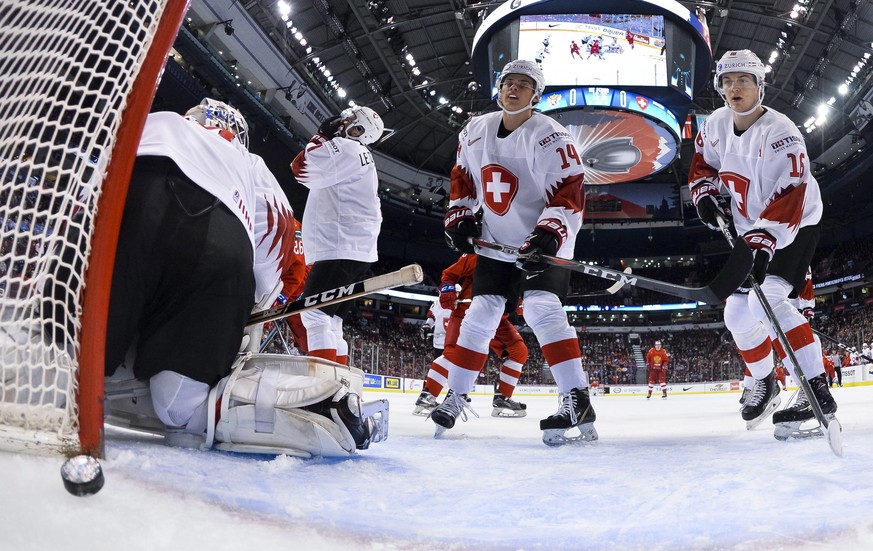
(832, 427)
(611, 290)
(841, 345)
(726, 282)
(404, 276)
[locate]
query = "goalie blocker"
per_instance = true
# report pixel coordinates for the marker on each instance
(272, 404)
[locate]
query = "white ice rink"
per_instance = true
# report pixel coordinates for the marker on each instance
(681, 473)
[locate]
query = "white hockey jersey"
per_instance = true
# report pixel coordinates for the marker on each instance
(343, 214)
(532, 177)
(218, 163)
(766, 171)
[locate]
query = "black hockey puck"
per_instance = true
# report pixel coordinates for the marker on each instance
(82, 475)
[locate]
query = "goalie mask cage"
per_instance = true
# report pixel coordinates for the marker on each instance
(77, 79)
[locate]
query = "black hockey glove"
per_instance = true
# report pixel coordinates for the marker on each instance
(425, 332)
(763, 246)
(546, 239)
(710, 204)
(461, 226)
(330, 127)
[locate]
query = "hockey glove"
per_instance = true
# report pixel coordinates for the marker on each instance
(426, 332)
(461, 226)
(330, 127)
(546, 238)
(710, 204)
(448, 296)
(763, 246)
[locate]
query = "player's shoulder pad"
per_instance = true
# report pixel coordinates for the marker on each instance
(549, 132)
(782, 134)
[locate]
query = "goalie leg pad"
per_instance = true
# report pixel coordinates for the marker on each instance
(268, 406)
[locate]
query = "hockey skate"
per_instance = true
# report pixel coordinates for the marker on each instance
(128, 403)
(445, 414)
(575, 411)
(745, 396)
(763, 401)
(788, 421)
(425, 403)
(507, 407)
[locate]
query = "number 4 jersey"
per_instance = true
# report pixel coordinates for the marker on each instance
(531, 177)
(766, 171)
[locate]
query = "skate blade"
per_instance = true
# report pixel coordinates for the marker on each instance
(835, 437)
(792, 431)
(558, 437)
(439, 430)
(503, 412)
(422, 411)
(771, 407)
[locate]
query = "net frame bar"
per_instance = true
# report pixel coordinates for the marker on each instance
(95, 306)
(122, 106)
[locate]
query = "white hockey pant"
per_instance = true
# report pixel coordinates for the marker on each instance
(747, 321)
(294, 405)
(545, 314)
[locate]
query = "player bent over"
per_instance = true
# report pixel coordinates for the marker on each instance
(759, 158)
(203, 239)
(522, 170)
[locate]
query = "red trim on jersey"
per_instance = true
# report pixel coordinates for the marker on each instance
(700, 169)
(298, 165)
(462, 185)
(568, 194)
(787, 207)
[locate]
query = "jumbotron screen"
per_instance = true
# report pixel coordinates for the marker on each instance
(596, 49)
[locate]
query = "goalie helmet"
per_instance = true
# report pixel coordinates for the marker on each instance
(740, 61)
(217, 114)
(528, 69)
(368, 121)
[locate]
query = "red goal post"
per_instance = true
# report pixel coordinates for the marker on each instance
(77, 80)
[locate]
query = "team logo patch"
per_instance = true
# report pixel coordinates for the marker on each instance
(499, 186)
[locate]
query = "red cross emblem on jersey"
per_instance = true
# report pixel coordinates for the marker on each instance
(499, 187)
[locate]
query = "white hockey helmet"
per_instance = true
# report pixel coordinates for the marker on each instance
(368, 121)
(657, 343)
(213, 113)
(528, 69)
(740, 61)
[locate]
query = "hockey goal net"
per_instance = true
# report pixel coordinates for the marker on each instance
(77, 79)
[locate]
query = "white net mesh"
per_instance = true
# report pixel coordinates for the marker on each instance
(66, 69)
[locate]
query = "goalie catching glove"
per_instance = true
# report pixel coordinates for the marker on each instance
(710, 204)
(461, 227)
(546, 239)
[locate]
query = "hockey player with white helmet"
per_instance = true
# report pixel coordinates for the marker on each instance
(758, 159)
(342, 218)
(207, 235)
(521, 172)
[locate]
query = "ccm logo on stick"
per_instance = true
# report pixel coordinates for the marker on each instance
(339, 292)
